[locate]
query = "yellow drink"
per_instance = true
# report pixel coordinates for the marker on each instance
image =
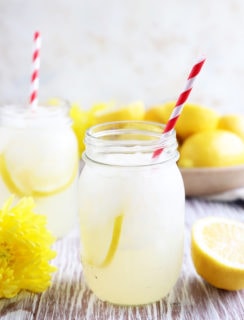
(39, 158)
(131, 216)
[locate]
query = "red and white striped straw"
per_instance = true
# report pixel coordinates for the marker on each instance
(181, 101)
(35, 70)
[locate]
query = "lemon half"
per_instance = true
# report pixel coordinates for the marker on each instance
(217, 249)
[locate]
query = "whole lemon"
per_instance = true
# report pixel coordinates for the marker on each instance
(194, 118)
(132, 111)
(160, 112)
(214, 148)
(233, 123)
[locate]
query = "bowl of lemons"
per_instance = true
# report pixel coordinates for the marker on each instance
(211, 147)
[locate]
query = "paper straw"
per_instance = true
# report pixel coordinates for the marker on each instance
(181, 101)
(35, 70)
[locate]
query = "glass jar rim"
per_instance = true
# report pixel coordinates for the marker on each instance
(19, 116)
(130, 137)
(154, 129)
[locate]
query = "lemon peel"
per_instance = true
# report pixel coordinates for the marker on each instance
(25, 249)
(233, 123)
(114, 241)
(160, 112)
(194, 118)
(132, 111)
(113, 245)
(213, 148)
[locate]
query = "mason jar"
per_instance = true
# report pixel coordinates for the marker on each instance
(39, 158)
(131, 212)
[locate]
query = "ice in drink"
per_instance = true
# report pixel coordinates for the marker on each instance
(131, 214)
(39, 158)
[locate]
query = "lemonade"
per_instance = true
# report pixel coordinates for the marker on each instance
(131, 213)
(39, 158)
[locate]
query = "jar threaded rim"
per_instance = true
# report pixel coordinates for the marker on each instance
(129, 137)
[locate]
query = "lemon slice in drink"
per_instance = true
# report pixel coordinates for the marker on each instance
(39, 167)
(26, 184)
(100, 252)
(114, 241)
(218, 252)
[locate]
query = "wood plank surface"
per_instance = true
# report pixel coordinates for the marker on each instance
(190, 299)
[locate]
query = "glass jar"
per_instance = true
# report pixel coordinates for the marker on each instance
(39, 158)
(131, 212)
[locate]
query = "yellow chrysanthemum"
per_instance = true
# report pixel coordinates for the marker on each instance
(24, 249)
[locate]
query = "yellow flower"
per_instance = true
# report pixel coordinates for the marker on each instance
(24, 249)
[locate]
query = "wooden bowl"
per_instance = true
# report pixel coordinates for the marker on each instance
(210, 181)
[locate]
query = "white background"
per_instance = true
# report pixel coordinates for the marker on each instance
(97, 50)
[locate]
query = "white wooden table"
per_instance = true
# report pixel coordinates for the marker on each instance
(191, 298)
